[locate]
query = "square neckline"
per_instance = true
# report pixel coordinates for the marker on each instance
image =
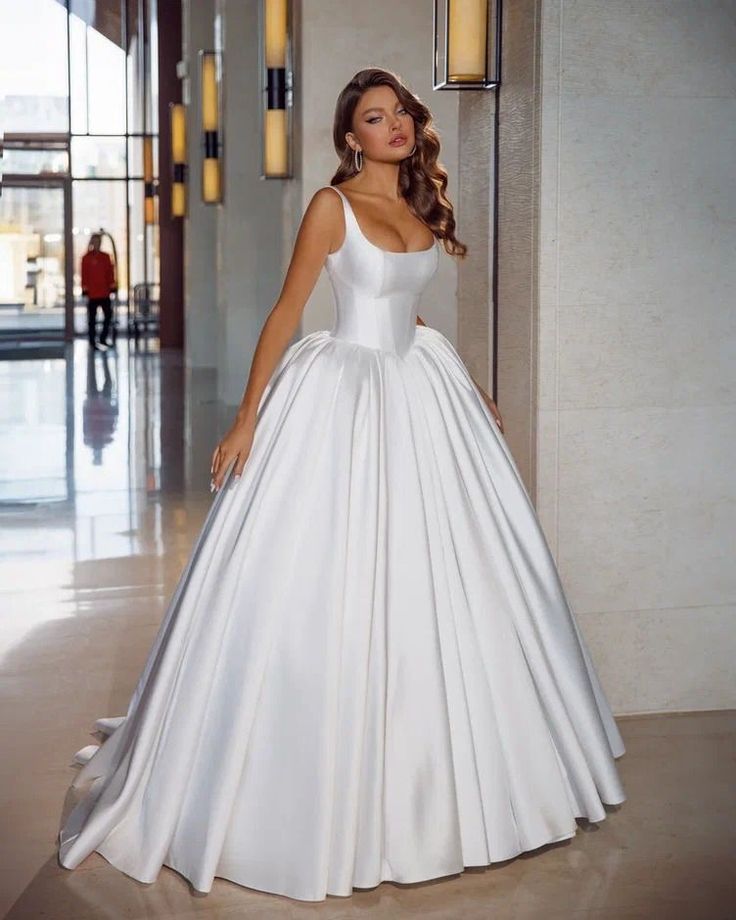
(388, 252)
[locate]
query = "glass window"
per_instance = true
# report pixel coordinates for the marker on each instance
(78, 74)
(97, 63)
(33, 66)
(35, 162)
(136, 71)
(78, 82)
(32, 288)
(100, 205)
(98, 157)
(135, 157)
(105, 85)
(143, 239)
(152, 123)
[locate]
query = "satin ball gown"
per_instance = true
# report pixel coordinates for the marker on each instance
(368, 670)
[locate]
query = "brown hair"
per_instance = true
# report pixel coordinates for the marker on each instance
(422, 179)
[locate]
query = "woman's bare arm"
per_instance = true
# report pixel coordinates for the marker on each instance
(319, 227)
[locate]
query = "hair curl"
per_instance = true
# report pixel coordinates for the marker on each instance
(422, 179)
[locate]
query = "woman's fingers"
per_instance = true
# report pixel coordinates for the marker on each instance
(240, 465)
(220, 468)
(226, 458)
(217, 458)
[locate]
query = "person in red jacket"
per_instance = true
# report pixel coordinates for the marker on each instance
(98, 283)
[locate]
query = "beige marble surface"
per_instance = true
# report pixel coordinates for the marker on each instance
(636, 407)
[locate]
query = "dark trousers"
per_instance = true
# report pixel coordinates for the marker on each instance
(92, 304)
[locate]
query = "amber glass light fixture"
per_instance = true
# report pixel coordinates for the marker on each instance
(149, 187)
(277, 80)
(210, 85)
(178, 130)
(467, 44)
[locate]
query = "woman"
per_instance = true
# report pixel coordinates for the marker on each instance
(369, 669)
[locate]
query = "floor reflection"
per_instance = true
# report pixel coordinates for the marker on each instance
(96, 475)
(87, 422)
(100, 407)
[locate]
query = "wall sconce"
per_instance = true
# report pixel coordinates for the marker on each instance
(277, 82)
(210, 72)
(178, 128)
(149, 187)
(467, 44)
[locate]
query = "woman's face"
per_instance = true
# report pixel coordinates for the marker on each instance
(378, 119)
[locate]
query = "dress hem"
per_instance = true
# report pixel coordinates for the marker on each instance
(365, 886)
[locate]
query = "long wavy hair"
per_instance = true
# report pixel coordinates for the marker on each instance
(422, 179)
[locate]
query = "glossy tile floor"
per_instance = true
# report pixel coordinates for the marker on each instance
(103, 485)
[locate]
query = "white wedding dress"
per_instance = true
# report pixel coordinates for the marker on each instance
(369, 669)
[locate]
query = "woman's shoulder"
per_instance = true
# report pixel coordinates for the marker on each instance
(328, 191)
(325, 200)
(344, 186)
(323, 213)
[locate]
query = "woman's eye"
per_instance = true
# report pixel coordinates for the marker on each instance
(375, 118)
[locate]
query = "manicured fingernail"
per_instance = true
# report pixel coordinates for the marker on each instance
(237, 477)
(212, 486)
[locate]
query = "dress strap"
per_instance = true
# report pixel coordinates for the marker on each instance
(350, 218)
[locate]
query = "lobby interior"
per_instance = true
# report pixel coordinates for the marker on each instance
(592, 181)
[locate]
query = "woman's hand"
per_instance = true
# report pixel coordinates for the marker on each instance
(493, 410)
(492, 407)
(235, 446)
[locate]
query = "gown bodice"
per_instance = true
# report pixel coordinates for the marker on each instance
(376, 291)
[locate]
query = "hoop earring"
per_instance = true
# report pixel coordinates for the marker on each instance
(355, 160)
(412, 150)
